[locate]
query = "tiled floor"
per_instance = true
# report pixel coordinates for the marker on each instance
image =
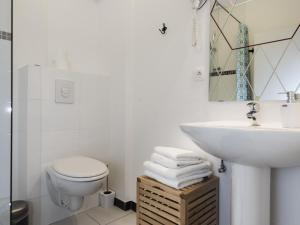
(101, 216)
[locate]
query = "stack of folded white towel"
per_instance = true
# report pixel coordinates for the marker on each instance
(177, 168)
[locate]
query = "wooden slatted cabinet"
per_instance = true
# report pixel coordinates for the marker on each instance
(158, 204)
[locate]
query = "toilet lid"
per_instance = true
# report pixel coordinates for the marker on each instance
(79, 167)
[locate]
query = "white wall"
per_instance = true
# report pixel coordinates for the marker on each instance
(94, 36)
(162, 89)
(30, 36)
(95, 42)
(73, 129)
(163, 95)
(27, 136)
(5, 15)
(152, 90)
(46, 131)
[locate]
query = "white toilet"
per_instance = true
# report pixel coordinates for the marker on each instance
(70, 179)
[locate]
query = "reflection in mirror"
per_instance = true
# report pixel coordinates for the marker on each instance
(254, 49)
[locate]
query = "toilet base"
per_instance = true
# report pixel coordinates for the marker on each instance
(72, 203)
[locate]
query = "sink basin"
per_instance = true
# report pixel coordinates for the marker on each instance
(253, 150)
(268, 145)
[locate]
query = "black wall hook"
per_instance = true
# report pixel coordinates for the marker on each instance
(222, 168)
(163, 29)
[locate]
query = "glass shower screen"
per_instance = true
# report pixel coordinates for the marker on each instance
(5, 111)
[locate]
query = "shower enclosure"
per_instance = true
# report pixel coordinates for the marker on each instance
(5, 110)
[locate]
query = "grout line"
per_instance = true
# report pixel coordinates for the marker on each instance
(97, 222)
(92, 218)
(119, 218)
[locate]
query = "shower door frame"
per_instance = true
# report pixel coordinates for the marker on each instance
(11, 104)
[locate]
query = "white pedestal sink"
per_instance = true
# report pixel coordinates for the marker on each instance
(253, 151)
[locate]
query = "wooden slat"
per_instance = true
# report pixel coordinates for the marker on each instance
(202, 205)
(201, 213)
(160, 206)
(142, 222)
(200, 200)
(159, 191)
(151, 182)
(137, 205)
(156, 217)
(210, 221)
(200, 192)
(217, 204)
(214, 222)
(192, 190)
(183, 212)
(159, 212)
(206, 217)
(159, 198)
(149, 220)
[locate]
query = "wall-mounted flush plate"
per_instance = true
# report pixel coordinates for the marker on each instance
(198, 75)
(64, 91)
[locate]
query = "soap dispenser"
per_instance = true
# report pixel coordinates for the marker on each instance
(290, 111)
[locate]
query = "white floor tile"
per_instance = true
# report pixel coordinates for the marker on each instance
(126, 220)
(81, 219)
(104, 216)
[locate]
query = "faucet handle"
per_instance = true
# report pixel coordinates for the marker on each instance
(253, 106)
(291, 96)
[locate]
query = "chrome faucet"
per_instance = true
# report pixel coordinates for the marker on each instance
(254, 109)
(292, 96)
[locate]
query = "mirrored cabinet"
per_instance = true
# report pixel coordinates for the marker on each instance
(254, 49)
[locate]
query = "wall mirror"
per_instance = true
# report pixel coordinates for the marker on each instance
(254, 49)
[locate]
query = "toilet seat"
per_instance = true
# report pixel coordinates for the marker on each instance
(80, 179)
(70, 180)
(80, 169)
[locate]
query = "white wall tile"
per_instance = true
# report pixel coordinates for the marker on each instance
(34, 82)
(4, 211)
(20, 172)
(5, 164)
(5, 15)
(5, 106)
(5, 74)
(60, 117)
(74, 129)
(94, 102)
(46, 131)
(49, 75)
(94, 143)
(59, 144)
(34, 149)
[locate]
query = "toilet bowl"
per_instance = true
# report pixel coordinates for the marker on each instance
(69, 180)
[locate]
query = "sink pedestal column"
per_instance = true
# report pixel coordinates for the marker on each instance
(250, 195)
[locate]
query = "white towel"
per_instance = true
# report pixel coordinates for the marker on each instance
(177, 154)
(199, 169)
(171, 163)
(177, 183)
